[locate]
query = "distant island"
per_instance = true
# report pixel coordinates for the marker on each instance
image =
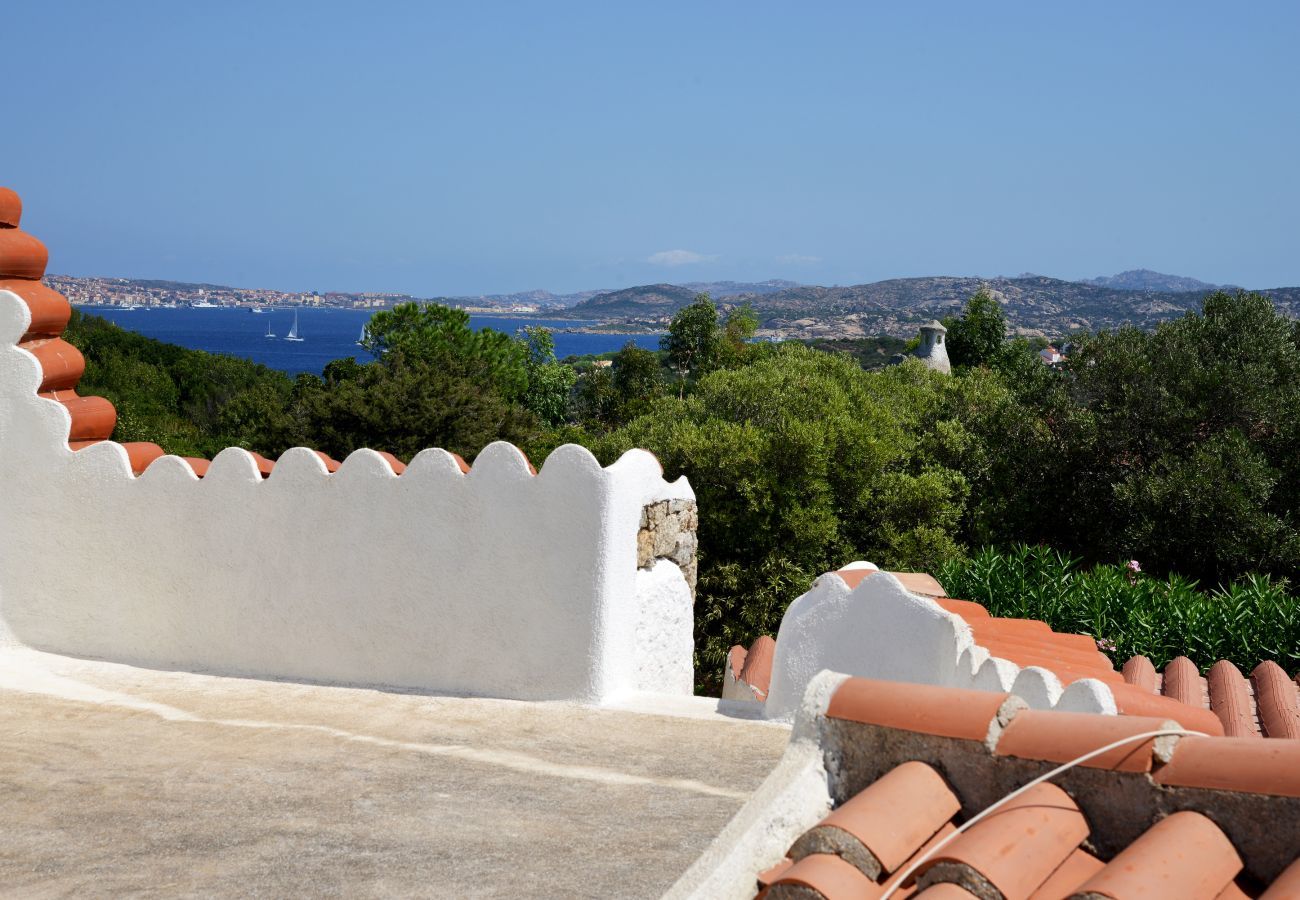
(1035, 305)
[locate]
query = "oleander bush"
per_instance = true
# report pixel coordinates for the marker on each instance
(1247, 621)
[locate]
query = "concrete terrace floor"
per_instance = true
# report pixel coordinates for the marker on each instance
(116, 780)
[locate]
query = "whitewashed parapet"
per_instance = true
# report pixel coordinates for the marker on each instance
(879, 630)
(493, 582)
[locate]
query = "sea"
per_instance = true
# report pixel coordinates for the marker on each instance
(327, 334)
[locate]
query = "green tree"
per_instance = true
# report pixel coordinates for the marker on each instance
(549, 381)
(637, 380)
(734, 348)
(975, 338)
(404, 404)
(1174, 446)
(595, 399)
(433, 333)
(692, 342)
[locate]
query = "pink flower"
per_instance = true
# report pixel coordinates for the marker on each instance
(1106, 645)
(1134, 566)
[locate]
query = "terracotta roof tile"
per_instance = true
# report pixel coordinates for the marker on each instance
(1078, 867)
(331, 464)
(919, 583)
(947, 712)
(1243, 765)
(1275, 695)
(397, 465)
(11, 208)
(49, 309)
(767, 876)
(945, 890)
(62, 364)
(21, 255)
(1133, 701)
(880, 828)
(1043, 826)
(1051, 654)
(460, 462)
(93, 418)
(829, 876)
(1230, 700)
(1183, 683)
(736, 660)
(264, 465)
(967, 609)
(1265, 704)
(1184, 856)
(1063, 736)
(1232, 892)
(200, 466)
(1221, 704)
(905, 891)
(1140, 673)
(757, 670)
(139, 453)
(1032, 850)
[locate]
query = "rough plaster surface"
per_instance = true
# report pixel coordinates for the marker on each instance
(130, 782)
(880, 630)
(496, 583)
(795, 797)
(665, 632)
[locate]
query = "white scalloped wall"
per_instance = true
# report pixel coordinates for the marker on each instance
(496, 582)
(880, 630)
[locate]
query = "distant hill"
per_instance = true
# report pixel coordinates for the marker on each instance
(1033, 304)
(644, 300)
(547, 299)
(717, 289)
(1146, 280)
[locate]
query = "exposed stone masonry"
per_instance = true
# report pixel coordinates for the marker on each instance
(668, 532)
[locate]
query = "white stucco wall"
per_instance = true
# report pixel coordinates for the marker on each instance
(495, 582)
(880, 630)
(792, 799)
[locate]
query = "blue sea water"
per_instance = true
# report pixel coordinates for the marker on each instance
(328, 334)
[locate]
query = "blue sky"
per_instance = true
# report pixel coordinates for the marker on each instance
(488, 147)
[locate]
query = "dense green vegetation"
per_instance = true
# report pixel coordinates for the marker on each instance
(192, 403)
(1171, 446)
(1246, 621)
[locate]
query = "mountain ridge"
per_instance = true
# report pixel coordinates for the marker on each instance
(1148, 280)
(1034, 304)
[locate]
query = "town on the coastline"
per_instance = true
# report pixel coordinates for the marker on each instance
(130, 293)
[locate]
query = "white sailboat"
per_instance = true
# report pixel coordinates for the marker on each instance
(361, 340)
(268, 329)
(293, 332)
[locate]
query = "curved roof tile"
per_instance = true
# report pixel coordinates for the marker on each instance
(1163, 840)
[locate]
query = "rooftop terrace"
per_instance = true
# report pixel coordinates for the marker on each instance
(123, 780)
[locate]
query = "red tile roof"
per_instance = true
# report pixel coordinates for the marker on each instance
(1267, 704)
(1167, 817)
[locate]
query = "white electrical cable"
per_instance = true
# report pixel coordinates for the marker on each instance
(906, 873)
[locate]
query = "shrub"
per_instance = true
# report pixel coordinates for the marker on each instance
(1247, 622)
